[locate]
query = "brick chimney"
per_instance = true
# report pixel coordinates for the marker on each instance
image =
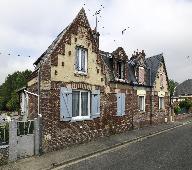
(96, 37)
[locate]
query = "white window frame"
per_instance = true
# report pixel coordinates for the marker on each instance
(79, 118)
(80, 63)
(161, 82)
(163, 104)
(143, 103)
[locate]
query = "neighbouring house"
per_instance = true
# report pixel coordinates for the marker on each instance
(183, 91)
(182, 97)
(83, 93)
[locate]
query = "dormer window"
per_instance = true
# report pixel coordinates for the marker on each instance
(81, 60)
(120, 70)
(141, 75)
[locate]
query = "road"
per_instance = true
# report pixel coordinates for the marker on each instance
(171, 150)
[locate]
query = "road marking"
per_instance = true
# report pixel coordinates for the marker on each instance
(115, 147)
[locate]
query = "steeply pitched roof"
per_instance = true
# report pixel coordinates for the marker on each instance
(52, 46)
(78, 19)
(184, 88)
(154, 63)
(107, 59)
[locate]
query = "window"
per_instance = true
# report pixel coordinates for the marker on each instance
(141, 75)
(80, 104)
(81, 60)
(161, 80)
(120, 70)
(141, 103)
(161, 103)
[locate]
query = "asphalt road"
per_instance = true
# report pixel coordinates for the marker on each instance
(170, 150)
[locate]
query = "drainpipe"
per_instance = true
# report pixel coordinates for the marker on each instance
(39, 91)
(151, 97)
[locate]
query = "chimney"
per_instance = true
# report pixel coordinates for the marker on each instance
(96, 37)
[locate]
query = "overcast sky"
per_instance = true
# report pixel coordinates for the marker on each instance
(27, 28)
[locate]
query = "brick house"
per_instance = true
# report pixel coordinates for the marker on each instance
(85, 93)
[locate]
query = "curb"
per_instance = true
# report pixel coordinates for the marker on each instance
(65, 163)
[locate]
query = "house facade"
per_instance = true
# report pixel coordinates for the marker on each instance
(183, 92)
(83, 93)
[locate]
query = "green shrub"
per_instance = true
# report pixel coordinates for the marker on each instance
(177, 110)
(185, 104)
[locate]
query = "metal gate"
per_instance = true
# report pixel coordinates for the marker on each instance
(25, 138)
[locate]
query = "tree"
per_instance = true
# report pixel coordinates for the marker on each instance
(172, 85)
(9, 99)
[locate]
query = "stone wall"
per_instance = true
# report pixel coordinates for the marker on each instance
(59, 134)
(4, 154)
(183, 117)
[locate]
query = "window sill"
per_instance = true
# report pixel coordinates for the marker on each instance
(142, 111)
(78, 119)
(77, 73)
(120, 115)
(120, 80)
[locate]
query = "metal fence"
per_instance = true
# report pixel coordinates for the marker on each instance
(24, 128)
(4, 133)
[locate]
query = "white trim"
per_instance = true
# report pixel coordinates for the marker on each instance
(79, 71)
(143, 103)
(79, 118)
(163, 106)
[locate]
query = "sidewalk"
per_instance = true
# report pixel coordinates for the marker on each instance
(53, 159)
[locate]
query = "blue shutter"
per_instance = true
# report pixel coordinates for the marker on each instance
(77, 59)
(123, 103)
(118, 104)
(83, 60)
(95, 103)
(65, 104)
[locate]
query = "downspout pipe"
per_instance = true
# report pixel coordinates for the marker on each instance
(151, 97)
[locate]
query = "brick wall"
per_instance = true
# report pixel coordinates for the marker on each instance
(58, 134)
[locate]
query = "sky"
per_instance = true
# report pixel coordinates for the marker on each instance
(27, 28)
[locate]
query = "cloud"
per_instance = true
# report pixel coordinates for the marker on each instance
(29, 27)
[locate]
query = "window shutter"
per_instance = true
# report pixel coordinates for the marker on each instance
(65, 104)
(119, 104)
(77, 59)
(83, 60)
(123, 103)
(95, 106)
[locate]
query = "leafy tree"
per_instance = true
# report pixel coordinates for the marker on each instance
(9, 100)
(172, 85)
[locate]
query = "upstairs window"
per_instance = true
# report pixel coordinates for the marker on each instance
(161, 80)
(81, 60)
(120, 70)
(141, 75)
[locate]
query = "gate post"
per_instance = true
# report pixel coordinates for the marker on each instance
(12, 140)
(37, 134)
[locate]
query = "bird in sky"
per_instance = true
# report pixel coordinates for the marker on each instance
(124, 30)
